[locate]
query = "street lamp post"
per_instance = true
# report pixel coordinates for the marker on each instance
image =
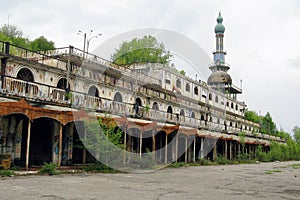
(86, 41)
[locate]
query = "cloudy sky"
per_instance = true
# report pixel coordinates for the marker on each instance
(261, 38)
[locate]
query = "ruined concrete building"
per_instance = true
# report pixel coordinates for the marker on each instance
(45, 96)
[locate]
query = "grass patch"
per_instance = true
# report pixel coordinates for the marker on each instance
(295, 166)
(98, 167)
(5, 173)
(273, 171)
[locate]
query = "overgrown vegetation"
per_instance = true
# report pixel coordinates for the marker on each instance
(4, 173)
(49, 169)
(11, 34)
(144, 50)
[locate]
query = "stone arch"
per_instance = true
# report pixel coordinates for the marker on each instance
(182, 112)
(137, 105)
(62, 84)
(25, 74)
(93, 91)
(118, 97)
(202, 117)
(192, 114)
(170, 110)
(196, 90)
(210, 96)
(187, 87)
(155, 106)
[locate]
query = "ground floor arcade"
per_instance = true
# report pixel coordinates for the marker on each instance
(34, 135)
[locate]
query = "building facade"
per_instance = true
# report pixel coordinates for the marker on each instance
(45, 96)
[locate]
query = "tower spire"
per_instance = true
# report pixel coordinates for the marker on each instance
(219, 78)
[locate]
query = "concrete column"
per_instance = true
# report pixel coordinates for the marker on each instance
(186, 150)
(28, 144)
(194, 150)
(141, 143)
(60, 145)
(153, 146)
(125, 145)
(225, 146)
(84, 149)
(215, 151)
(176, 148)
(202, 148)
(166, 150)
(230, 150)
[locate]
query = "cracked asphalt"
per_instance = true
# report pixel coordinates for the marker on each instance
(277, 180)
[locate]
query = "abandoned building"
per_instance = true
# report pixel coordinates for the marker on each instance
(44, 97)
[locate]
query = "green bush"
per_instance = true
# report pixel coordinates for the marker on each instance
(4, 173)
(48, 168)
(221, 160)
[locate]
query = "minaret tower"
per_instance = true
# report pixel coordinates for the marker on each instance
(220, 79)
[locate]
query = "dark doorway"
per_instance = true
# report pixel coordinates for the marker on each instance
(41, 141)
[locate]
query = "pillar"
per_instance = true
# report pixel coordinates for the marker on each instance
(166, 150)
(84, 149)
(230, 150)
(60, 145)
(186, 150)
(125, 145)
(215, 151)
(153, 146)
(225, 152)
(176, 147)
(141, 143)
(194, 150)
(202, 148)
(28, 144)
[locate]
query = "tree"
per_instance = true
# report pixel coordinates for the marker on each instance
(252, 116)
(267, 126)
(41, 43)
(11, 31)
(296, 131)
(11, 34)
(145, 50)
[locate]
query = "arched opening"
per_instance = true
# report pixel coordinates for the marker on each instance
(138, 103)
(160, 143)
(202, 117)
(93, 91)
(170, 109)
(155, 106)
(62, 84)
(232, 105)
(181, 112)
(192, 115)
(25, 75)
(210, 96)
(77, 133)
(196, 91)
(178, 83)
(44, 141)
(133, 140)
(225, 125)
(236, 107)
(187, 87)
(13, 137)
(216, 99)
(118, 97)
